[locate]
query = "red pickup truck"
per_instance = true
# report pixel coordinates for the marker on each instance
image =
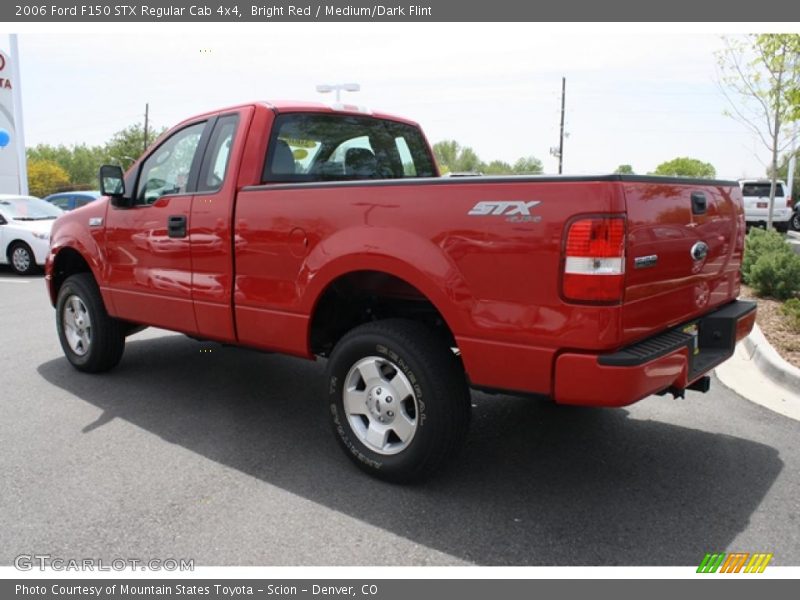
(327, 232)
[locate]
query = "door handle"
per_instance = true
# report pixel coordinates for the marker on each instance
(176, 226)
(699, 204)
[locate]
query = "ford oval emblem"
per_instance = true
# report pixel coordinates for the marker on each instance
(699, 251)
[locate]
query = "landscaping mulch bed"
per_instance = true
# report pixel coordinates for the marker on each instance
(776, 327)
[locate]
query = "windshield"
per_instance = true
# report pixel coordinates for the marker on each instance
(760, 190)
(29, 209)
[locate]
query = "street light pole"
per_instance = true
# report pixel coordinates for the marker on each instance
(326, 88)
(561, 136)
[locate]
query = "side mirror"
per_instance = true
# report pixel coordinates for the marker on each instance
(112, 183)
(3, 220)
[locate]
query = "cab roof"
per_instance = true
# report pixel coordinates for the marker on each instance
(292, 106)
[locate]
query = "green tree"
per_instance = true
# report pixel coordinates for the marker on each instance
(451, 156)
(760, 76)
(528, 165)
(686, 167)
(624, 170)
(446, 153)
(468, 161)
(497, 167)
(127, 145)
(81, 162)
(46, 177)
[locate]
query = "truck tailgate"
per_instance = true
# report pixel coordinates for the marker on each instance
(684, 246)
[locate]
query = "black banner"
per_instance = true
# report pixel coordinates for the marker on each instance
(387, 589)
(197, 11)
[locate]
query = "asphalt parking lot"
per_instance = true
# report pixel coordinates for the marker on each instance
(194, 450)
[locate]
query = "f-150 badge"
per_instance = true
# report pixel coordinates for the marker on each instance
(515, 210)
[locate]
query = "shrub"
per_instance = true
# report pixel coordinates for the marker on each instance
(758, 243)
(776, 274)
(46, 177)
(791, 308)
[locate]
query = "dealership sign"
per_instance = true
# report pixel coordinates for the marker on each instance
(9, 144)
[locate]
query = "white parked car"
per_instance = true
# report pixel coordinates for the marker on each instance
(25, 224)
(756, 203)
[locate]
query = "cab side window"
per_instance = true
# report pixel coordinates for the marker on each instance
(218, 154)
(166, 171)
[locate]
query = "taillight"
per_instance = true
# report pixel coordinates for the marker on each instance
(594, 260)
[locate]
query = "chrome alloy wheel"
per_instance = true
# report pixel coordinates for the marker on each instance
(77, 325)
(381, 405)
(21, 259)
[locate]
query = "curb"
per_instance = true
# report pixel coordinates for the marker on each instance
(769, 362)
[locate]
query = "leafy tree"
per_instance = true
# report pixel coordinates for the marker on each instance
(497, 167)
(453, 157)
(686, 167)
(468, 161)
(624, 170)
(128, 144)
(760, 76)
(81, 162)
(446, 153)
(46, 177)
(528, 165)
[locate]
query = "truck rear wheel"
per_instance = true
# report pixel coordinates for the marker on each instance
(399, 402)
(92, 340)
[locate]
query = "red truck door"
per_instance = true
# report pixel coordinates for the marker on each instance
(149, 260)
(210, 230)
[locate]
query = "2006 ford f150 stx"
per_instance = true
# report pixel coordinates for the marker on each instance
(326, 232)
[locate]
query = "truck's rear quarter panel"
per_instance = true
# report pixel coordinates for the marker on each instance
(499, 276)
(495, 278)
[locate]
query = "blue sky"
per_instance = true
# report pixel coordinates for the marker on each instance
(637, 98)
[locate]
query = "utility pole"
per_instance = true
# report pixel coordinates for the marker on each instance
(146, 123)
(561, 137)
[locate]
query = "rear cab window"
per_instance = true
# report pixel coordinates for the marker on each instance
(307, 147)
(760, 190)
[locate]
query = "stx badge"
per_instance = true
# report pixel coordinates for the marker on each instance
(516, 211)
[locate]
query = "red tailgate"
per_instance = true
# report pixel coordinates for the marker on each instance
(683, 253)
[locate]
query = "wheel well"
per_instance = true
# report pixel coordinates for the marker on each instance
(67, 262)
(364, 296)
(13, 243)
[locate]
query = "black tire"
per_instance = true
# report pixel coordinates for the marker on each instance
(795, 222)
(105, 334)
(29, 260)
(440, 397)
(781, 227)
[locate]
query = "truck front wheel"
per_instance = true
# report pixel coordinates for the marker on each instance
(92, 340)
(398, 399)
